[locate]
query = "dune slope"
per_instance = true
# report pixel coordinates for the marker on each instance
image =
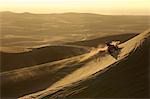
(93, 67)
(42, 75)
(127, 79)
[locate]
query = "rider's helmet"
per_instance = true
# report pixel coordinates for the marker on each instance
(115, 43)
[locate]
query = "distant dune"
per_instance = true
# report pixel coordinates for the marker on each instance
(25, 30)
(26, 86)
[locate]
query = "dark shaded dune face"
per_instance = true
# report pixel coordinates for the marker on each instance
(11, 61)
(127, 79)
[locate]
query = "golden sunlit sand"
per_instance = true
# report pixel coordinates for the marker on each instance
(52, 49)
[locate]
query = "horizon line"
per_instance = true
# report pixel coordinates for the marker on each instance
(65, 12)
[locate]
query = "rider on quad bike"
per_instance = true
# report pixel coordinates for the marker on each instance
(112, 46)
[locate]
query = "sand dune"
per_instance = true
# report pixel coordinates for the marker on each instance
(41, 74)
(77, 67)
(92, 67)
(127, 79)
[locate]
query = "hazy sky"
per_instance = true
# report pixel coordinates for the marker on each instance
(135, 7)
